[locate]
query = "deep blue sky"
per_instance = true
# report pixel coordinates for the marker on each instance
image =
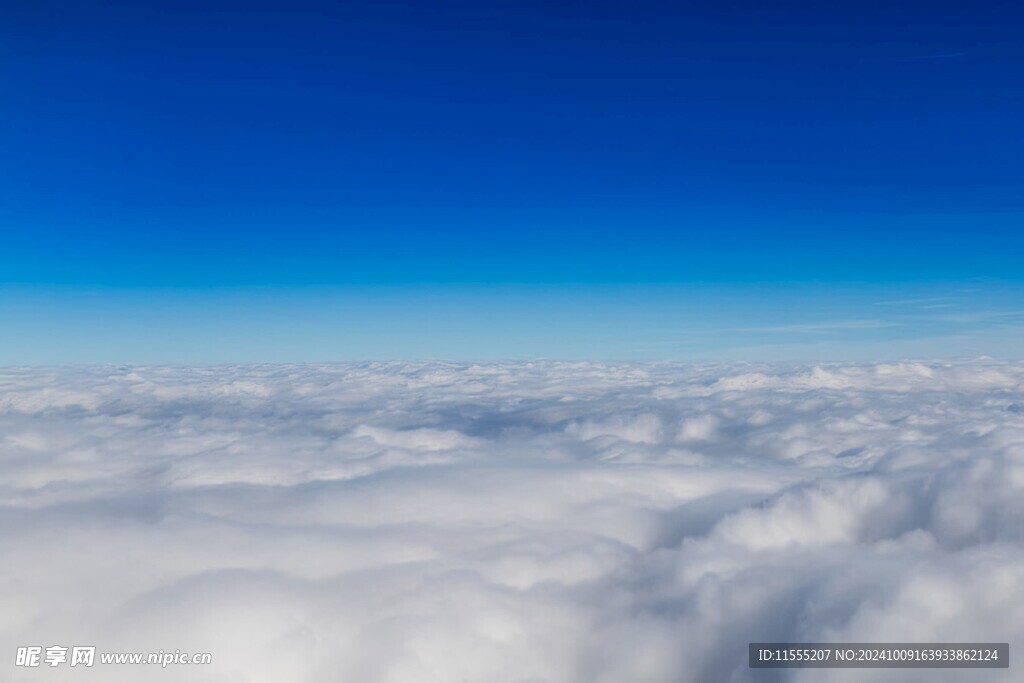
(228, 157)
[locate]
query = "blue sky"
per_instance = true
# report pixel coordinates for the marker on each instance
(208, 182)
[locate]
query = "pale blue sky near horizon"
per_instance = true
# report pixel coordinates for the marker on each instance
(809, 321)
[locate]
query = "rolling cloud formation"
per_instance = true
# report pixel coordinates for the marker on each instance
(522, 522)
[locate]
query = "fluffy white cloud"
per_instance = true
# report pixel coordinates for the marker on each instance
(556, 522)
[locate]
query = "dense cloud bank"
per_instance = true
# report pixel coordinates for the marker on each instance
(562, 522)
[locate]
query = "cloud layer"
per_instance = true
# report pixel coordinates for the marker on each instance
(526, 522)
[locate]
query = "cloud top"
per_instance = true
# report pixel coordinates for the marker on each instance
(526, 522)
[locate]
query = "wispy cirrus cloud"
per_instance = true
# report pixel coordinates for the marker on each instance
(818, 327)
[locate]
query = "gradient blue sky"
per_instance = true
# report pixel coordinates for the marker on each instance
(218, 181)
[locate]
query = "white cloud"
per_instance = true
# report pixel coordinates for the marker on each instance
(508, 522)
